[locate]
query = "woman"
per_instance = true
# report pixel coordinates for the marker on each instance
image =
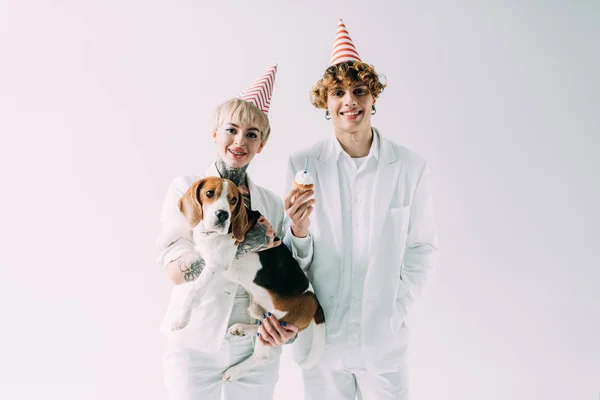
(197, 355)
(374, 236)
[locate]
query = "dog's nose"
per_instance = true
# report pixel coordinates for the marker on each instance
(222, 215)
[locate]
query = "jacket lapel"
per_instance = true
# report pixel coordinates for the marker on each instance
(256, 202)
(327, 180)
(386, 180)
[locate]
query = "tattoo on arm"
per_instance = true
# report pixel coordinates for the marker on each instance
(260, 237)
(192, 271)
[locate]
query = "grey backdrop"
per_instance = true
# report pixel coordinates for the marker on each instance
(103, 103)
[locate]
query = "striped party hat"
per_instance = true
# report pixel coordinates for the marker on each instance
(343, 48)
(259, 93)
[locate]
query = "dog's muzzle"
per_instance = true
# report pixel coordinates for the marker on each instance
(222, 216)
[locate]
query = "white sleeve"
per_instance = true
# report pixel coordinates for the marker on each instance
(175, 233)
(301, 248)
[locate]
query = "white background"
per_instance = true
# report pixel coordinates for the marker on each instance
(102, 103)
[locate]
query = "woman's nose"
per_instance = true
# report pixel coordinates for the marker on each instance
(239, 140)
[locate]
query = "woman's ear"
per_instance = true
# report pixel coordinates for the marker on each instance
(214, 136)
(190, 205)
(262, 144)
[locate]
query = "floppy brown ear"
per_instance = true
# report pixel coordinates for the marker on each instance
(239, 220)
(190, 205)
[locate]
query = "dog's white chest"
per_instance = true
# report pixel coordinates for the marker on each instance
(243, 270)
(218, 251)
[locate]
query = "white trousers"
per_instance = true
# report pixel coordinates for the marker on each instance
(344, 377)
(194, 375)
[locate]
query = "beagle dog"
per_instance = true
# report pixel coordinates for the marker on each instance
(215, 209)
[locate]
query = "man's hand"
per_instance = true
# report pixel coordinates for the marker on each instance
(299, 208)
(271, 332)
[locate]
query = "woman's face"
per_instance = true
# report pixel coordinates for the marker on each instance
(237, 143)
(350, 107)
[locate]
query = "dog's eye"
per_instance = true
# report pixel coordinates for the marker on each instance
(210, 193)
(233, 201)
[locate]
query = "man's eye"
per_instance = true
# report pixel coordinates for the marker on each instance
(338, 93)
(233, 201)
(210, 193)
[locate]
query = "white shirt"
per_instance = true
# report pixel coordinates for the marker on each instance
(356, 178)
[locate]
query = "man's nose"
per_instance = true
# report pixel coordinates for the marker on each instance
(349, 99)
(222, 215)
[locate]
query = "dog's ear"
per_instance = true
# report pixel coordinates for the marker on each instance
(190, 204)
(239, 220)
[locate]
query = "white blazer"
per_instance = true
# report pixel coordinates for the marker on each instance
(402, 244)
(208, 323)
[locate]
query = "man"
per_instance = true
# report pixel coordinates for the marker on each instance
(374, 235)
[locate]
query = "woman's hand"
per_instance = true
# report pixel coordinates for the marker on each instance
(271, 332)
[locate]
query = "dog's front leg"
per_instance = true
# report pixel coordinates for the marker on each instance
(190, 303)
(204, 283)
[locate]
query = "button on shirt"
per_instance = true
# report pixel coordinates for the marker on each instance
(356, 180)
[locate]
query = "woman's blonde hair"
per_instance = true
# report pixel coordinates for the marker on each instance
(241, 111)
(345, 74)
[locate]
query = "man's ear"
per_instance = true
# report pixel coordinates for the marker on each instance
(190, 204)
(239, 220)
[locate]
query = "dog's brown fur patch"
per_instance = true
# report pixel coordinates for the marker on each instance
(300, 310)
(319, 315)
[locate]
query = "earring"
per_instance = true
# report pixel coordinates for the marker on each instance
(373, 110)
(327, 115)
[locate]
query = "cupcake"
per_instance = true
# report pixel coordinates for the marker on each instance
(304, 180)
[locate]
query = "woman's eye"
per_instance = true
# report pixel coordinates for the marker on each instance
(252, 135)
(233, 201)
(230, 130)
(210, 193)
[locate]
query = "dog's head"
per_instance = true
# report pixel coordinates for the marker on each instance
(215, 206)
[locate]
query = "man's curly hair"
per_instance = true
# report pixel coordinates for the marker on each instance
(345, 74)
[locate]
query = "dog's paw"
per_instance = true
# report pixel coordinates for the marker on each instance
(240, 329)
(233, 374)
(237, 330)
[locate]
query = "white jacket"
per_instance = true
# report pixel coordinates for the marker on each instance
(402, 244)
(208, 321)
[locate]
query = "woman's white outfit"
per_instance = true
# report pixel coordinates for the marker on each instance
(197, 355)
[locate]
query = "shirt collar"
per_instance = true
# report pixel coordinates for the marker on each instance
(373, 151)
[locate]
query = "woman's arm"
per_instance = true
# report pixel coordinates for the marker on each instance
(185, 268)
(175, 243)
